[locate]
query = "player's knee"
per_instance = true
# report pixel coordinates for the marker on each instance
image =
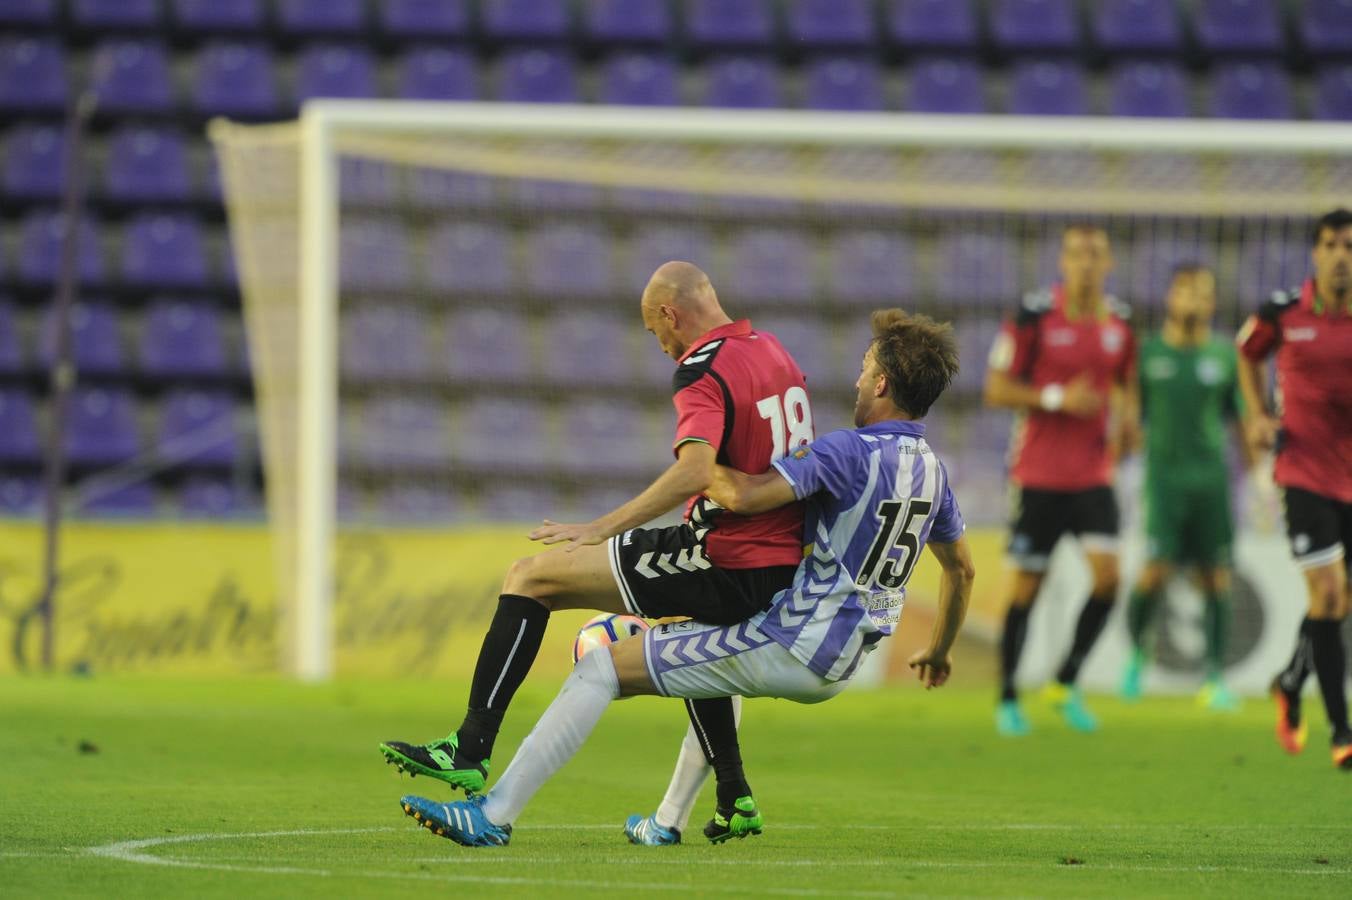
(1105, 582)
(526, 578)
(1151, 580)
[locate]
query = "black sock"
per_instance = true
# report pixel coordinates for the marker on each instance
(1092, 619)
(1292, 678)
(509, 649)
(1330, 665)
(716, 727)
(1011, 648)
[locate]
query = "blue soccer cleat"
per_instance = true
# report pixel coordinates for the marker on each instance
(645, 830)
(1069, 702)
(1010, 720)
(462, 821)
(1132, 676)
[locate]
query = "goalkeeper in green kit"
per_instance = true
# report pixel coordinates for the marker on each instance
(1189, 390)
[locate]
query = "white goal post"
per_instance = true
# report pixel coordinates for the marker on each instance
(282, 186)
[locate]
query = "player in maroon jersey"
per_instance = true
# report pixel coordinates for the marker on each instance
(1062, 361)
(741, 401)
(1309, 328)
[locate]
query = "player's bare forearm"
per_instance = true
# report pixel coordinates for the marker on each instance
(1252, 376)
(1003, 391)
(749, 494)
(689, 475)
(933, 665)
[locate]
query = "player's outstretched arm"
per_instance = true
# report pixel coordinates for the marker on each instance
(749, 494)
(933, 665)
(1077, 397)
(691, 474)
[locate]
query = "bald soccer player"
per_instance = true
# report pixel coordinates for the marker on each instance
(741, 401)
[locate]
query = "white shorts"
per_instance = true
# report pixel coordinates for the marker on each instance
(695, 661)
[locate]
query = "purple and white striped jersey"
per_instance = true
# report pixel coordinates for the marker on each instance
(874, 496)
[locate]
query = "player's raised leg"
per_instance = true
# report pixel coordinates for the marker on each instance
(1328, 607)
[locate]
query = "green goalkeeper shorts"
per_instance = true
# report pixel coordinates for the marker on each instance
(1188, 521)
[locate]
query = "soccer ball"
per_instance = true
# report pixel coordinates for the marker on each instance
(604, 629)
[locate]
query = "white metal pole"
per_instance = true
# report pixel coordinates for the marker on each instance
(316, 446)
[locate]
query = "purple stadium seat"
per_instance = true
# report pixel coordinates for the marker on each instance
(401, 433)
(570, 260)
(602, 437)
(771, 264)
(1333, 92)
(1032, 25)
(977, 269)
(35, 162)
(844, 83)
(419, 503)
(1250, 90)
(651, 201)
(742, 82)
(1137, 26)
(321, 17)
(639, 79)
(587, 347)
(18, 428)
(756, 162)
(424, 18)
(220, 15)
(537, 76)
(132, 76)
(235, 79)
(32, 74)
(146, 165)
(95, 343)
(502, 434)
(1238, 26)
(11, 351)
(718, 23)
(40, 237)
(1048, 88)
(335, 70)
(433, 188)
(105, 15)
(943, 85)
(524, 19)
(181, 339)
(810, 346)
(206, 496)
(831, 23)
(468, 258)
(870, 267)
(20, 495)
(1157, 89)
(653, 245)
(1326, 26)
(438, 73)
(554, 196)
(164, 250)
(383, 342)
(101, 427)
(28, 12)
(975, 337)
(1266, 266)
(366, 181)
(628, 21)
(1152, 260)
(518, 503)
(129, 500)
(373, 254)
(934, 24)
(197, 428)
(487, 345)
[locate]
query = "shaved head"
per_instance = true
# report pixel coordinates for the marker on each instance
(679, 305)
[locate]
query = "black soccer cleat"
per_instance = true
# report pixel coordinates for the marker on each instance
(440, 759)
(743, 819)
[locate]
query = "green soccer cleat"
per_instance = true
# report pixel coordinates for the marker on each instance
(440, 759)
(743, 819)
(1069, 702)
(1010, 720)
(1132, 674)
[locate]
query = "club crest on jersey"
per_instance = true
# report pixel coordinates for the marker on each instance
(1209, 371)
(1111, 338)
(1160, 368)
(801, 452)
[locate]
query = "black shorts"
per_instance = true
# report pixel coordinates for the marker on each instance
(664, 572)
(1042, 517)
(1318, 527)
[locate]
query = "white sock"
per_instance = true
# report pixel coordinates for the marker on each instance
(692, 770)
(556, 736)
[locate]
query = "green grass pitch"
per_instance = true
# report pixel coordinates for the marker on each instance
(265, 788)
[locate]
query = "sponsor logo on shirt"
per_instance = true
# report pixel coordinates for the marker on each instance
(1061, 337)
(1160, 369)
(1302, 333)
(1111, 338)
(1209, 371)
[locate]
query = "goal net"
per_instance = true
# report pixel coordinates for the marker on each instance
(442, 299)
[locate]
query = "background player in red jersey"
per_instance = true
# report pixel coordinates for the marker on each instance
(1063, 360)
(741, 401)
(1309, 328)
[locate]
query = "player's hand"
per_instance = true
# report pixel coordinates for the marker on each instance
(1082, 398)
(573, 535)
(1261, 431)
(931, 668)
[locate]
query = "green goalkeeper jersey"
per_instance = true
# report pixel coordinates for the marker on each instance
(1188, 394)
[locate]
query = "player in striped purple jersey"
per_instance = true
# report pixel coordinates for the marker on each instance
(875, 497)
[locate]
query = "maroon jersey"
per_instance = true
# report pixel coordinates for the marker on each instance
(740, 392)
(1314, 388)
(1056, 451)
